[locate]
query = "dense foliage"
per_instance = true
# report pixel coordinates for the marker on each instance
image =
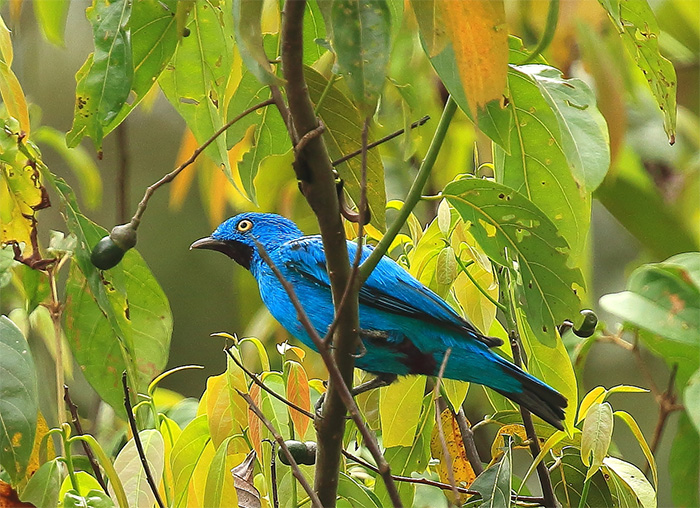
(538, 110)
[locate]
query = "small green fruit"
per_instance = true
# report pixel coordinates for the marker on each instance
(106, 254)
(303, 453)
(124, 235)
(590, 321)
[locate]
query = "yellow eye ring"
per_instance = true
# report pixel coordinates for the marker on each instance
(244, 225)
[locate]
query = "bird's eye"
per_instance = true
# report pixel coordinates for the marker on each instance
(244, 225)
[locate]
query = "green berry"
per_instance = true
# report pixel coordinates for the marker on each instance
(303, 453)
(106, 254)
(124, 235)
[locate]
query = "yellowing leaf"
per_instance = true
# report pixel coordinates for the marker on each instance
(499, 442)
(480, 42)
(461, 468)
(298, 393)
(181, 185)
(13, 97)
(219, 410)
(399, 409)
(596, 395)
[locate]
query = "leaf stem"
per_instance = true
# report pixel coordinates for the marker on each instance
(464, 267)
(584, 492)
(326, 89)
(106, 464)
(548, 33)
(414, 193)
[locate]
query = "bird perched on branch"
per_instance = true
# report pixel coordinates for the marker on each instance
(405, 327)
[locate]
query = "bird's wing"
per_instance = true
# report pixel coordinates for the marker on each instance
(389, 288)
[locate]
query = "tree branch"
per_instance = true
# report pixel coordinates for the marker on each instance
(315, 174)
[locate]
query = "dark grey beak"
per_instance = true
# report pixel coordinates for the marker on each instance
(239, 252)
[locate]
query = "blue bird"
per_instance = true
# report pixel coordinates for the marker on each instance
(405, 327)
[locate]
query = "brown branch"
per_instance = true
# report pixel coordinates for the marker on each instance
(314, 171)
(667, 405)
(341, 388)
(79, 431)
(139, 446)
(468, 441)
(273, 473)
(280, 440)
(136, 219)
(254, 377)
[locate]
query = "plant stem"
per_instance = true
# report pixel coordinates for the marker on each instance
(548, 33)
(55, 312)
(414, 193)
(584, 493)
(139, 446)
(504, 289)
(464, 267)
(122, 172)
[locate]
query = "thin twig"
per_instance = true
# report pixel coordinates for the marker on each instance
(386, 138)
(304, 140)
(336, 377)
(490, 298)
(550, 500)
(280, 440)
(139, 446)
(55, 310)
(273, 472)
(667, 405)
(468, 441)
(79, 431)
(256, 379)
(441, 432)
(136, 219)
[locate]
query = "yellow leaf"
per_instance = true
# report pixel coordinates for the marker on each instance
(596, 395)
(198, 482)
(170, 431)
(21, 195)
(6, 53)
(514, 429)
(13, 97)
(400, 406)
(219, 411)
(298, 393)
(479, 40)
(461, 468)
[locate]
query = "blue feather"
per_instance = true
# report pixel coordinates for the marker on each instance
(405, 327)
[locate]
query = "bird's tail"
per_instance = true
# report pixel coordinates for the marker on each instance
(535, 396)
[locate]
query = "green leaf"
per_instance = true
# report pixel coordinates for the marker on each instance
(495, 483)
(104, 81)
(129, 315)
(634, 479)
(51, 18)
(684, 464)
(247, 15)
(142, 312)
(19, 403)
(597, 434)
(314, 31)
(691, 399)
(537, 165)
(552, 365)
(584, 133)
(639, 30)
(219, 489)
(399, 409)
(185, 455)
(663, 299)
(634, 427)
(270, 138)
(78, 159)
(358, 495)
(42, 488)
(195, 79)
(343, 135)
(154, 37)
(567, 480)
(503, 220)
(86, 483)
(130, 470)
(93, 499)
(362, 42)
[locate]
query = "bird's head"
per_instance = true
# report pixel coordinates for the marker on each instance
(236, 236)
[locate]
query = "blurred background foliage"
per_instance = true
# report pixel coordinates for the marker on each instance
(646, 210)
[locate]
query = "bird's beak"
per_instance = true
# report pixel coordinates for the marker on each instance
(239, 252)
